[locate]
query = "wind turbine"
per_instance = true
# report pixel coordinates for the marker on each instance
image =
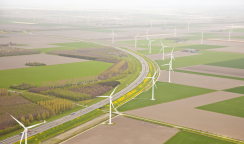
(162, 49)
(150, 44)
(188, 26)
(136, 39)
(201, 37)
(112, 36)
(175, 32)
(170, 63)
(110, 104)
(229, 35)
(25, 129)
(154, 84)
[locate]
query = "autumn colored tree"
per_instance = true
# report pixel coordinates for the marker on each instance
(47, 114)
(22, 120)
(30, 118)
(27, 122)
(43, 116)
(38, 117)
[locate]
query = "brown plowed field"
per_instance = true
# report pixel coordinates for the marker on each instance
(233, 72)
(202, 81)
(183, 112)
(125, 131)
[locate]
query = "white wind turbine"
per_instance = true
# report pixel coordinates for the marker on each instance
(162, 49)
(175, 32)
(170, 63)
(154, 84)
(188, 24)
(25, 129)
(136, 39)
(110, 104)
(112, 36)
(150, 44)
(201, 37)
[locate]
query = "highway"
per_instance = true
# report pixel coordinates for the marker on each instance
(46, 126)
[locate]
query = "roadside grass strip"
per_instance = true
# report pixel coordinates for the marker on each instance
(165, 92)
(205, 58)
(236, 63)
(214, 75)
(190, 130)
(232, 107)
(239, 89)
(62, 128)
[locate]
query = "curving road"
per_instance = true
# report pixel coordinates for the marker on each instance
(140, 78)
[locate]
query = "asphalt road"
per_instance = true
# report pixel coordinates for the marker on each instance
(44, 127)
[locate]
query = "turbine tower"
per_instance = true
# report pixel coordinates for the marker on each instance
(136, 39)
(112, 36)
(154, 84)
(201, 37)
(150, 44)
(25, 129)
(188, 26)
(162, 49)
(110, 104)
(175, 32)
(229, 35)
(170, 63)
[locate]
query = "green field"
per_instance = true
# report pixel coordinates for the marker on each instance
(205, 57)
(190, 138)
(165, 92)
(236, 89)
(237, 63)
(74, 45)
(197, 36)
(232, 107)
(38, 75)
(238, 37)
(201, 47)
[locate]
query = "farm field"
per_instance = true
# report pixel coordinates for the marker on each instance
(204, 58)
(183, 112)
(38, 75)
(236, 63)
(189, 138)
(14, 62)
(125, 130)
(165, 92)
(217, 70)
(232, 107)
(176, 54)
(236, 90)
(64, 46)
(201, 47)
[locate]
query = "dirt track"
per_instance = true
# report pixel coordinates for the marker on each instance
(125, 131)
(202, 81)
(183, 113)
(14, 62)
(233, 72)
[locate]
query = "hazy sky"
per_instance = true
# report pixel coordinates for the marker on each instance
(120, 3)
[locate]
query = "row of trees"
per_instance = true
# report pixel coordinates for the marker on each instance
(93, 90)
(18, 52)
(63, 93)
(22, 86)
(3, 92)
(56, 105)
(70, 82)
(35, 64)
(115, 70)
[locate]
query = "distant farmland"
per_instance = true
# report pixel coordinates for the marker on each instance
(38, 75)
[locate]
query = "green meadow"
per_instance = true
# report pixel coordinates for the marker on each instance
(201, 47)
(204, 57)
(38, 75)
(70, 46)
(239, 89)
(165, 92)
(183, 137)
(232, 107)
(236, 63)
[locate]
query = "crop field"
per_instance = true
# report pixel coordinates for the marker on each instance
(38, 75)
(189, 138)
(201, 47)
(236, 89)
(65, 46)
(236, 63)
(204, 58)
(165, 92)
(232, 107)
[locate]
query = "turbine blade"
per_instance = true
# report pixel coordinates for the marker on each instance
(164, 64)
(102, 96)
(34, 125)
(161, 43)
(155, 73)
(155, 85)
(160, 50)
(22, 136)
(18, 121)
(114, 90)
